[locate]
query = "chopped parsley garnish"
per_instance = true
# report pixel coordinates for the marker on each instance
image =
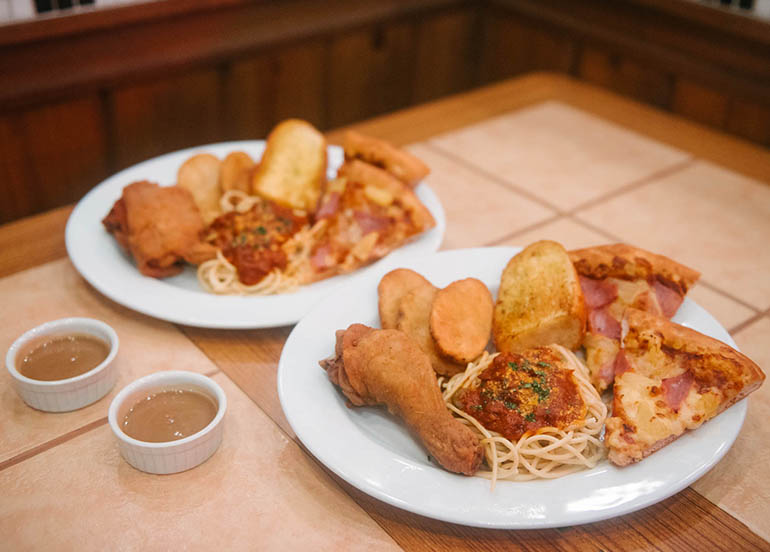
(511, 405)
(262, 230)
(513, 366)
(543, 364)
(530, 417)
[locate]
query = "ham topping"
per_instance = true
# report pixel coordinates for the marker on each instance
(369, 223)
(598, 293)
(607, 372)
(330, 206)
(320, 258)
(675, 389)
(668, 299)
(621, 364)
(601, 322)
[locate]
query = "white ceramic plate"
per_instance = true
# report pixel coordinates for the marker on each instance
(373, 451)
(99, 259)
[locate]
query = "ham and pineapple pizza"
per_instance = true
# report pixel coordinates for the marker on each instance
(670, 379)
(368, 213)
(618, 276)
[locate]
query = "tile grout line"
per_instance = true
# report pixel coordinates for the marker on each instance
(531, 227)
(34, 451)
(660, 173)
(491, 177)
(748, 322)
(728, 295)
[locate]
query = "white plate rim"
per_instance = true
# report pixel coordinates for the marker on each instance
(329, 434)
(99, 260)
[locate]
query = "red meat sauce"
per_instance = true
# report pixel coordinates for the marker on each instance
(522, 393)
(252, 241)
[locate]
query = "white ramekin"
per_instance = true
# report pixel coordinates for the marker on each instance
(172, 456)
(71, 393)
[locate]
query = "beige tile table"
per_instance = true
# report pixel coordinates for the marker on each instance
(540, 156)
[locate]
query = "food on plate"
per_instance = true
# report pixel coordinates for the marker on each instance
(392, 287)
(296, 230)
(461, 319)
(401, 164)
(367, 213)
(235, 172)
(535, 412)
(535, 409)
(255, 250)
(375, 367)
(292, 171)
(414, 320)
(670, 379)
(200, 176)
(159, 226)
(540, 301)
(615, 277)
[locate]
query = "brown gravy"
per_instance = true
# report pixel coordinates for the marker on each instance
(169, 414)
(58, 357)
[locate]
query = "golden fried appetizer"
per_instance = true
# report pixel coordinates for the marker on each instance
(200, 176)
(292, 171)
(374, 367)
(235, 172)
(401, 164)
(391, 289)
(540, 301)
(159, 226)
(461, 319)
(414, 319)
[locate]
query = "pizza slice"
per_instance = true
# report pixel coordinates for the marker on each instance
(366, 214)
(614, 278)
(670, 379)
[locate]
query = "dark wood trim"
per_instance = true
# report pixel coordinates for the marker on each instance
(135, 48)
(733, 61)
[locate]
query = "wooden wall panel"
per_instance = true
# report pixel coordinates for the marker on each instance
(14, 186)
(513, 45)
(444, 55)
(370, 72)
(299, 79)
(750, 120)
(166, 114)
(52, 155)
(700, 103)
(249, 89)
(626, 76)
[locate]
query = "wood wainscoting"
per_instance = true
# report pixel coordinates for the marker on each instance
(86, 95)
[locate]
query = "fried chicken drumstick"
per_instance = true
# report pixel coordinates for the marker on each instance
(374, 367)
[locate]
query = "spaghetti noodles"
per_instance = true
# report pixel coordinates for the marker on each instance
(549, 452)
(220, 276)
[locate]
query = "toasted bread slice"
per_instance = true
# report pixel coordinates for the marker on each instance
(292, 171)
(540, 301)
(670, 379)
(401, 164)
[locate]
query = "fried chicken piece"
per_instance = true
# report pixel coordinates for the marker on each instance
(374, 367)
(159, 226)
